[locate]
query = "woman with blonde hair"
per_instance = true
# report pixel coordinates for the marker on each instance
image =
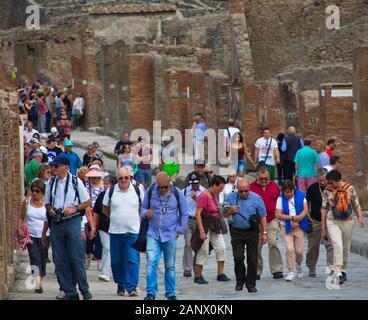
(82, 172)
(322, 153)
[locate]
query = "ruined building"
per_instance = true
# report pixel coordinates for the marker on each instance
(264, 62)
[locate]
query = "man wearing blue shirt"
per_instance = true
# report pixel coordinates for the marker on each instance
(244, 209)
(75, 162)
(165, 225)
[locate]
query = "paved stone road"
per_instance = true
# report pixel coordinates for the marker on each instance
(307, 288)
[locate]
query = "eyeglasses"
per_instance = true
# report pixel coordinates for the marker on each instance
(163, 187)
(124, 178)
(243, 191)
(263, 179)
(209, 171)
(36, 190)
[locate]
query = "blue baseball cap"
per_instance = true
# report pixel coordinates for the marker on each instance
(68, 143)
(60, 160)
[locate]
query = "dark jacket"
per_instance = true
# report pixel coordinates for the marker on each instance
(209, 223)
(293, 144)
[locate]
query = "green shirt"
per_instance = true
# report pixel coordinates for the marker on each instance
(31, 170)
(307, 158)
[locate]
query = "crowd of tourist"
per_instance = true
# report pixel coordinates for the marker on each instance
(87, 214)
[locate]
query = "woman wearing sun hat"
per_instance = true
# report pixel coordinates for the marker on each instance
(94, 187)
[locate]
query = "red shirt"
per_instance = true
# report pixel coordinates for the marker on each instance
(329, 152)
(208, 205)
(269, 197)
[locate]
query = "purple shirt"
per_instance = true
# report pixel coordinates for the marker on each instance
(164, 226)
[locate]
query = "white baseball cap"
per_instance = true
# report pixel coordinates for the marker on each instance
(54, 130)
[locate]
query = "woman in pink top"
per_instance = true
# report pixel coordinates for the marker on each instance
(209, 229)
(64, 124)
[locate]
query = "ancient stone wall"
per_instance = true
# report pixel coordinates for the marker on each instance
(286, 32)
(10, 187)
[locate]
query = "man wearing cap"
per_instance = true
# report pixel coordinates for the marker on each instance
(52, 149)
(65, 199)
(75, 162)
(35, 145)
(191, 194)
(33, 166)
(199, 168)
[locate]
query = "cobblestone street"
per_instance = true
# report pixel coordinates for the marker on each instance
(307, 288)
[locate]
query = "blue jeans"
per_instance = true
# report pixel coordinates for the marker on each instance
(145, 177)
(239, 166)
(124, 260)
(68, 253)
(154, 250)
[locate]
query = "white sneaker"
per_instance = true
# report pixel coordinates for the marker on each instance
(299, 273)
(99, 266)
(61, 295)
(135, 293)
(290, 277)
(104, 278)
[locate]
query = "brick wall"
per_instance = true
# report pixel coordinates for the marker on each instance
(338, 124)
(10, 188)
(141, 91)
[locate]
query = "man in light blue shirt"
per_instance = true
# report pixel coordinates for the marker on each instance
(244, 209)
(167, 212)
(68, 194)
(191, 193)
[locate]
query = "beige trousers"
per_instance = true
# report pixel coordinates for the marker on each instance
(274, 254)
(340, 233)
(294, 244)
(218, 244)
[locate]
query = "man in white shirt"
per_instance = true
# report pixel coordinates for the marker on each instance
(228, 133)
(122, 207)
(267, 152)
(191, 193)
(29, 131)
(335, 164)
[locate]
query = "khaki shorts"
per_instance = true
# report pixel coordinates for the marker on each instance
(218, 244)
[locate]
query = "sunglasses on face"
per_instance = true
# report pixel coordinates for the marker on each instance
(124, 178)
(263, 179)
(163, 187)
(243, 191)
(35, 190)
(55, 166)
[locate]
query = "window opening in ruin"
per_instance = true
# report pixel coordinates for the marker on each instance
(31, 51)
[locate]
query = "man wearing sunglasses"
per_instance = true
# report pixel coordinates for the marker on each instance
(269, 192)
(66, 193)
(122, 207)
(244, 209)
(166, 223)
